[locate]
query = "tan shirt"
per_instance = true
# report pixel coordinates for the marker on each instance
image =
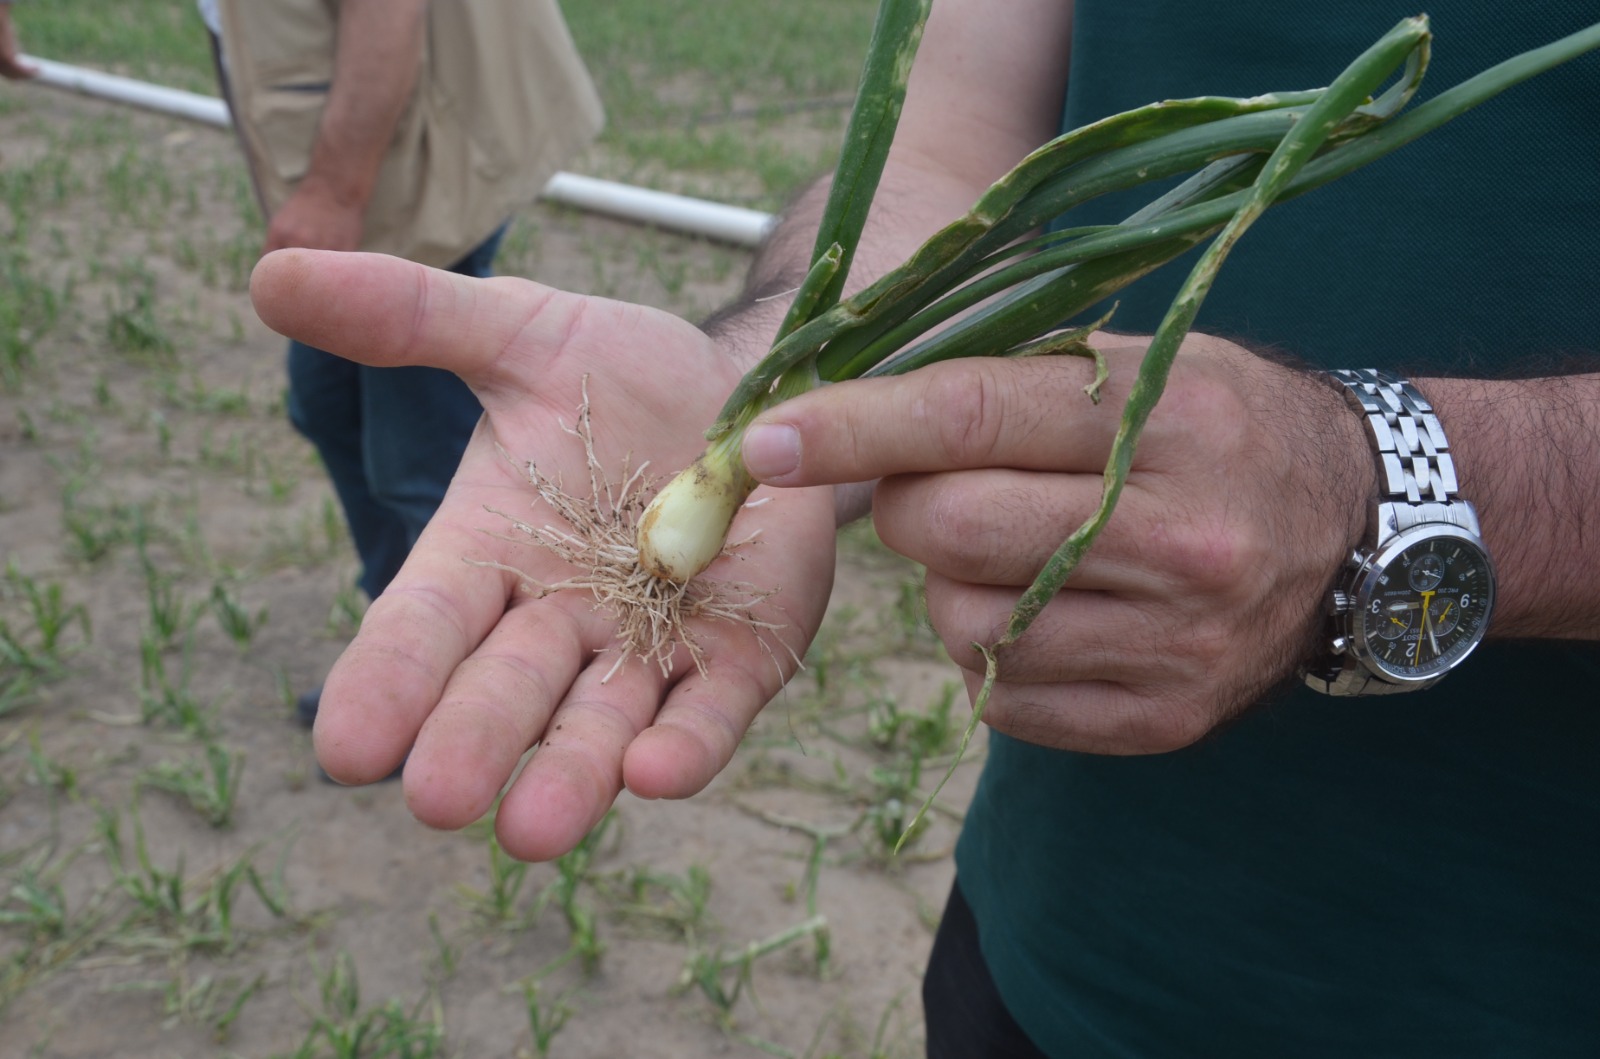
(502, 102)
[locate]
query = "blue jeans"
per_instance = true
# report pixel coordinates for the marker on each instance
(391, 439)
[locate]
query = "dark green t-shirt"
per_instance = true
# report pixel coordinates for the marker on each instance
(1396, 876)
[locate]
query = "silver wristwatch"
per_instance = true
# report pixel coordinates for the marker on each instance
(1414, 600)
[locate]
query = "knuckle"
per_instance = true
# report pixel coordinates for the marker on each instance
(1206, 557)
(513, 681)
(975, 526)
(963, 519)
(962, 618)
(1216, 557)
(1207, 413)
(965, 408)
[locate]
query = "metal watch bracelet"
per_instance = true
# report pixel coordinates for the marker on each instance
(1412, 451)
(1417, 488)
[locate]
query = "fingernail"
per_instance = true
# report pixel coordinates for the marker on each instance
(772, 451)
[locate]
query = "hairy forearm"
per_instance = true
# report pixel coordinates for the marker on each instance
(375, 70)
(905, 213)
(747, 324)
(1528, 456)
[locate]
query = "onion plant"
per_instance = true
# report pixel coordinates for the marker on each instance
(989, 285)
(1012, 292)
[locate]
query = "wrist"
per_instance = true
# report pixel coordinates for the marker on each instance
(1413, 601)
(744, 328)
(1350, 469)
(1338, 452)
(1330, 466)
(337, 186)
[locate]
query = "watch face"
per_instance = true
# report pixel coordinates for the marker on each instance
(1422, 603)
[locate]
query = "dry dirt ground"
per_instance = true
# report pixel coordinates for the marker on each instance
(176, 572)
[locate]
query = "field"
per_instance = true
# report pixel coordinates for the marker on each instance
(175, 879)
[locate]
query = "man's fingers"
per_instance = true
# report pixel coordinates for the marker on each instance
(1001, 527)
(434, 614)
(495, 706)
(1029, 414)
(1091, 717)
(704, 718)
(576, 773)
(1092, 673)
(389, 678)
(1079, 636)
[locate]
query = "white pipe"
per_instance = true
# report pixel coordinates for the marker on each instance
(680, 213)
(714, 220)
(207, 109)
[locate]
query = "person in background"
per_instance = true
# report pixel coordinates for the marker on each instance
(12, 68)
(415, 128)
(1168, 853)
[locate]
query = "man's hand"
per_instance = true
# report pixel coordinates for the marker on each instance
(380, 47)
(315, 218)
(11, 65)
(1248, 489)
(459, 665)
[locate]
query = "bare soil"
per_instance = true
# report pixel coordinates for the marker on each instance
(143, 448)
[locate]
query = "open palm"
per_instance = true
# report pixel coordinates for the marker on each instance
(457, 663)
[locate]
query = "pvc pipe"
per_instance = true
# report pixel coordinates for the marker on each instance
(714, 220)
(680, 213)
(206, 109)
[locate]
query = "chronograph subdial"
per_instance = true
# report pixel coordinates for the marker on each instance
(1393, 621)
(1443, 615)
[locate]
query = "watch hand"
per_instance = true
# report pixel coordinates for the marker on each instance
(1448, 607)
(1416, 658)
(1442, 618)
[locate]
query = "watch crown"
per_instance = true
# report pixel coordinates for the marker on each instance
(1338, 602)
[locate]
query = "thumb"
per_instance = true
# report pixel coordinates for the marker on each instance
(387, 312)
